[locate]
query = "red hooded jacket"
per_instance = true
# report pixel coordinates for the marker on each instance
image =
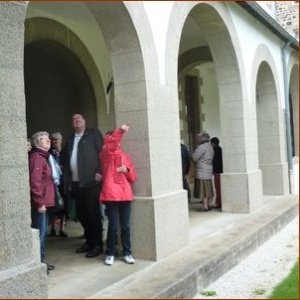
(116, 186)
(41, 182)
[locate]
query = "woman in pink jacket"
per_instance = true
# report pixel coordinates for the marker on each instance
(118, 174)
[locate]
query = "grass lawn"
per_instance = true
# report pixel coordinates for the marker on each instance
(289, 287)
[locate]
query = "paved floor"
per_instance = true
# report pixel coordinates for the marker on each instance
(78, 277)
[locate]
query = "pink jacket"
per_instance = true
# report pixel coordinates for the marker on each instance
(116, 186)
(41, 182)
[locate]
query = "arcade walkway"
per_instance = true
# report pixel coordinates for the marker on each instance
(218, 241)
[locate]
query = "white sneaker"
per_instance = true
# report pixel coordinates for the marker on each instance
(128, 259)
(109, 260)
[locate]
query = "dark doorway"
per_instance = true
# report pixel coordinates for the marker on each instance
(292, 125)
(56, 86)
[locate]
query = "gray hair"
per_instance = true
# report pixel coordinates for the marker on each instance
(55, 135)
(36, 137)
(203, 137)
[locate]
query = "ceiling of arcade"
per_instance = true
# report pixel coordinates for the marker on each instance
(191, 37)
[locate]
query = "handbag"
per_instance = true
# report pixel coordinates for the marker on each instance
(59, 201)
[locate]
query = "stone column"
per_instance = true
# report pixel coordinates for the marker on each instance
(271, 135)
(160, 211)
(20, 275)
(241, 182)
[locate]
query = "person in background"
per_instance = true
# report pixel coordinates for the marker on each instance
(118, 175)
(186, 163)
(203, 158)
(42, 188)
(60, 216)
(82, 176)
(217, 170)
(29, 145)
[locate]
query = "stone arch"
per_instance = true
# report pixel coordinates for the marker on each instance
(193, 57)
(263, 54)
(220, 34)
(269, 117)
(128, 38)
(133, 63)
(293, 77)
(41, 28)
(56, 86)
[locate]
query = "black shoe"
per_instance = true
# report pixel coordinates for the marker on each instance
(50, 267)
(62, 234)
(84, 248)
(52, 232)
(97, 250)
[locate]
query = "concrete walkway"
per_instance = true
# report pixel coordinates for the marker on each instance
(218, 241)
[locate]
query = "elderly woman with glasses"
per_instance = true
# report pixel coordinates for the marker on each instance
(41, 187)
(58, 215)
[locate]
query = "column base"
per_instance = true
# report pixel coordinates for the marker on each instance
(275, 179)
(24, 281)
(160, 225)
(241, 192)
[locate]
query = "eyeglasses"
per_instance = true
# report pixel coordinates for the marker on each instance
(44, 138)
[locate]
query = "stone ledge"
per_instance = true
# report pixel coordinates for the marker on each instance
(186, 272)
(28, 280)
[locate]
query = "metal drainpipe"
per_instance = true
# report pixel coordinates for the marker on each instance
(287, 118)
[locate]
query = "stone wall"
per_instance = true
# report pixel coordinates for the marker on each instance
(21, 276)
(287, 15)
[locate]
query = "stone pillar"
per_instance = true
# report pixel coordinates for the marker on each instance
(241, 182)
(271, 135)
(20, 275)
(160, 211)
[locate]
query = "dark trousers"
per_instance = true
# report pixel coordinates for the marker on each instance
(217, 181)
(118, 213)
(87, 210)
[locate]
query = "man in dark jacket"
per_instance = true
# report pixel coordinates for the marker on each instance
(82, 177)
(217, 169)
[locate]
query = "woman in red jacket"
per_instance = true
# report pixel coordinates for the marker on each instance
(41, 187)
(118, 174)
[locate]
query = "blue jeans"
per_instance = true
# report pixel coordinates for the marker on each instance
(40, 221)
(118, 213)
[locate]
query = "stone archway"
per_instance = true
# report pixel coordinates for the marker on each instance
(294, 103)
(268, 132)
(127, 63)
(56, 86)
(241, 181)
(23, 275)
(265, 91)
(40, 28)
